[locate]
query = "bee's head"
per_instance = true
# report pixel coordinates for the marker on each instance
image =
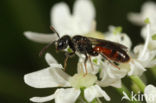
(63, 43)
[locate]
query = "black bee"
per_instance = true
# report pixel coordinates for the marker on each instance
(113, 52)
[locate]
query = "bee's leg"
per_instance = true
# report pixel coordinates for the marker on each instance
(65, 62)
(91, 62)
(86, 72)
(113, 64)
(66, 59)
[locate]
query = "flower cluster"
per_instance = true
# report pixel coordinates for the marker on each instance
(147, 52)
(88, 88)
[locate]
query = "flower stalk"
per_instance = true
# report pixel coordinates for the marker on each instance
(153, 70)
(138, 82)
(141, 56)
(125, 89)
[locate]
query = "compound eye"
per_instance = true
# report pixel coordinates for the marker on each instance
(61, 45)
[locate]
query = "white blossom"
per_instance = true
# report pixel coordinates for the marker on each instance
(53, 76)
(147, 11)
(145, 53)
(150, 94)
(81, 21)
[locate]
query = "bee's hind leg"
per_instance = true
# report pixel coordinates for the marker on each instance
(113, 64)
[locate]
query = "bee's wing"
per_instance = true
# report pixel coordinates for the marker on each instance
(107, 44)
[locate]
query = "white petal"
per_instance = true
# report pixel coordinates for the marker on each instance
(93, 92)
(84, 10)
(136, 18)
(152, 43)
(50, 59)
(60, 17)
(42, 99)
(148, 10)
(110, 82)
(111, 76)
(152, 64)
(150, 94)
(69, 95)
(136, 68)
(46, 78)
(40, 37)
(117, 84)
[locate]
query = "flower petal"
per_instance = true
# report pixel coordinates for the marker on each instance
(40, 37)
(69, 95)
(42, 99)
(46, 78)
(117, 84)
(150, 94)
(60, 18)
(136, 68)
(50, 59)
(136, 18)
(111, 76)
(110, 82)
(84, 10)
(147, 10)
(152, 43)
(95, 91)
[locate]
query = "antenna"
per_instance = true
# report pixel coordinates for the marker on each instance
(45, 48)
(52, 28)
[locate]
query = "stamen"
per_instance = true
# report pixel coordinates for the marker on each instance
(141, 56)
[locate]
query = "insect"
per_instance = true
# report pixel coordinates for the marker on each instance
(111, 51)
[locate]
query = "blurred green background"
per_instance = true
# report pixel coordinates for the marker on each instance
(19, 56)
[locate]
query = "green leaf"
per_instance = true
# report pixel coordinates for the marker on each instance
(154, 37)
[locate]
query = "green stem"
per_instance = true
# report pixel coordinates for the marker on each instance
(124, 88)
(138, 82)
(96, 101)
(153, 70)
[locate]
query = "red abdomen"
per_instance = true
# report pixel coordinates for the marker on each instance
(115, 55)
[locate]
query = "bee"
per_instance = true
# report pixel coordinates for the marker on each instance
(113, 52)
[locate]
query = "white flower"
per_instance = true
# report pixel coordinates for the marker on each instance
(150, 94)
(81, 21)
(53, 76)
(148, 10)
(145, 54)
(143, 57)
